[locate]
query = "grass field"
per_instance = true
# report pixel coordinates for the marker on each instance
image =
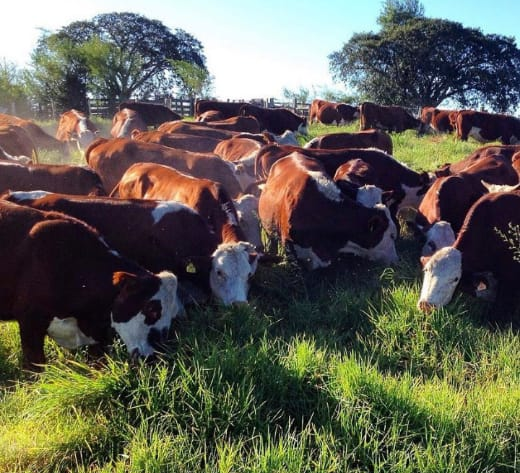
(333, 371)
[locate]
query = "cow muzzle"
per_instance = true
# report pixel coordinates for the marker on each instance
(425, 306)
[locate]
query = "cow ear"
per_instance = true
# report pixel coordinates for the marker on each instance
(124, 281)
(424, 260)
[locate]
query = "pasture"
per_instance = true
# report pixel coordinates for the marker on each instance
(332, 371)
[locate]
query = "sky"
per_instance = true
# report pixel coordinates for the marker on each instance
(254, 48)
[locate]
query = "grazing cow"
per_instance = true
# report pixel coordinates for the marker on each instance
(59, 278)
(125, 122)
(303, 207)
(196, 144)
(111, 158)
(15, 141)
(450, 197)
(195, 128)
(441, 122)
(484, 127)
(337, 113)
(38, 136)
(79, 180)
(276, 120)
(153, 114)
(482, 254)
(160, 235)
(313, 109)
(76, 126)
(226, 109)
(210, 116)
(247, 212)
(390, 118)
(439, 235)
(364, 139)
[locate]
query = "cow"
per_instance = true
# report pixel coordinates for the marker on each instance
(15, 141)
(302, 206)
(485, 127)
(196, 144)
(59, 278)
(450, 197)
(210, 116)
(481, 256)
(4, 156)
(226, 109)
(153, 114)
(125, 121)
(111, 158)
(387, 117)
(337, 113)
(79, 180)
(161, 235)
(247, 212)
(437, 119)
(313, 109)
(245, 124)
(39, 137)
(74, 125)
(196, 128)
(371, 138)
(276, 120)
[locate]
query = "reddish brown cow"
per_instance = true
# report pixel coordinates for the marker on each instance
(441, 122)
(337, 113)
(276, 120)
(59, 278)
(197, 144)
(210, 116)
(245, 124)
(125, 121)
(76, 126)
(50, 177)
(227, 109)
(480, 256)
(152, 114)
(391, 118)
(313, 109)
(363, 139)
(484, 127)
(15, 141)
(305, 209)
(111, 158)
(196, 128)
(38, 136)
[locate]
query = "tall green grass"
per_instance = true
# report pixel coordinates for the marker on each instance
(331, 371)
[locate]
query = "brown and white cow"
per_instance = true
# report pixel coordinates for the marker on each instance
(387, 117)
(210, 116)
(74, 125)
(276, 120)
(226, 109)
(485, 127)
(15, 141)
(39, 137)
(337, 113)
(160, 235)
(437, 119)
(152, 114)
(196, 144)
(111, 158)
(59, 278)
(480, 255)
(79, 180)
(363, 139)
(125, 121)
(303, 207)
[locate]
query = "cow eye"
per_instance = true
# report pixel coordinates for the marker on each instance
(456, 280)
(220, 273)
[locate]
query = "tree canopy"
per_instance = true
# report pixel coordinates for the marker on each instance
(416, 61)
(115, 55)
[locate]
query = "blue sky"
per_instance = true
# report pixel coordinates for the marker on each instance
(254, 48)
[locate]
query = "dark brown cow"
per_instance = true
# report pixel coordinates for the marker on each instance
(485, 127)
(276, 120)
(441, 122)
(244, 124)
(153, 114)
(15, 141)
(363, 139)
(125, 121)
(480, 256)
(197, 144)
(303, 207)
(75, 126)
(337, 113)
(111, 158)
(160, 235)
(227, 109)
(59, 278)
(39, 137)
(390, 118)
(64, 178)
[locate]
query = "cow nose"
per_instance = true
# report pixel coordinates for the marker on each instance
(425, 306)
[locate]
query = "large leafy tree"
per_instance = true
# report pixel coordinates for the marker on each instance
(13, 92)
(116, 56)
(416, 61)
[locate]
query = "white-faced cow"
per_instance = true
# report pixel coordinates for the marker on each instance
(75, 126)
(301, 205)
(59, 278)
(484, 127)
(125, 121)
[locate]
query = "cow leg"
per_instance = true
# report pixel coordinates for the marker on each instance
(32, 335)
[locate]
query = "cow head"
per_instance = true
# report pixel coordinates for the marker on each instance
(439, 235)
(442, 273)
(233, 265)
(143, 309)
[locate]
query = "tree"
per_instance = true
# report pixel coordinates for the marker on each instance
(416, 61)
(301, 95)
(13, 94)
(115, 55)
(192, 80)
